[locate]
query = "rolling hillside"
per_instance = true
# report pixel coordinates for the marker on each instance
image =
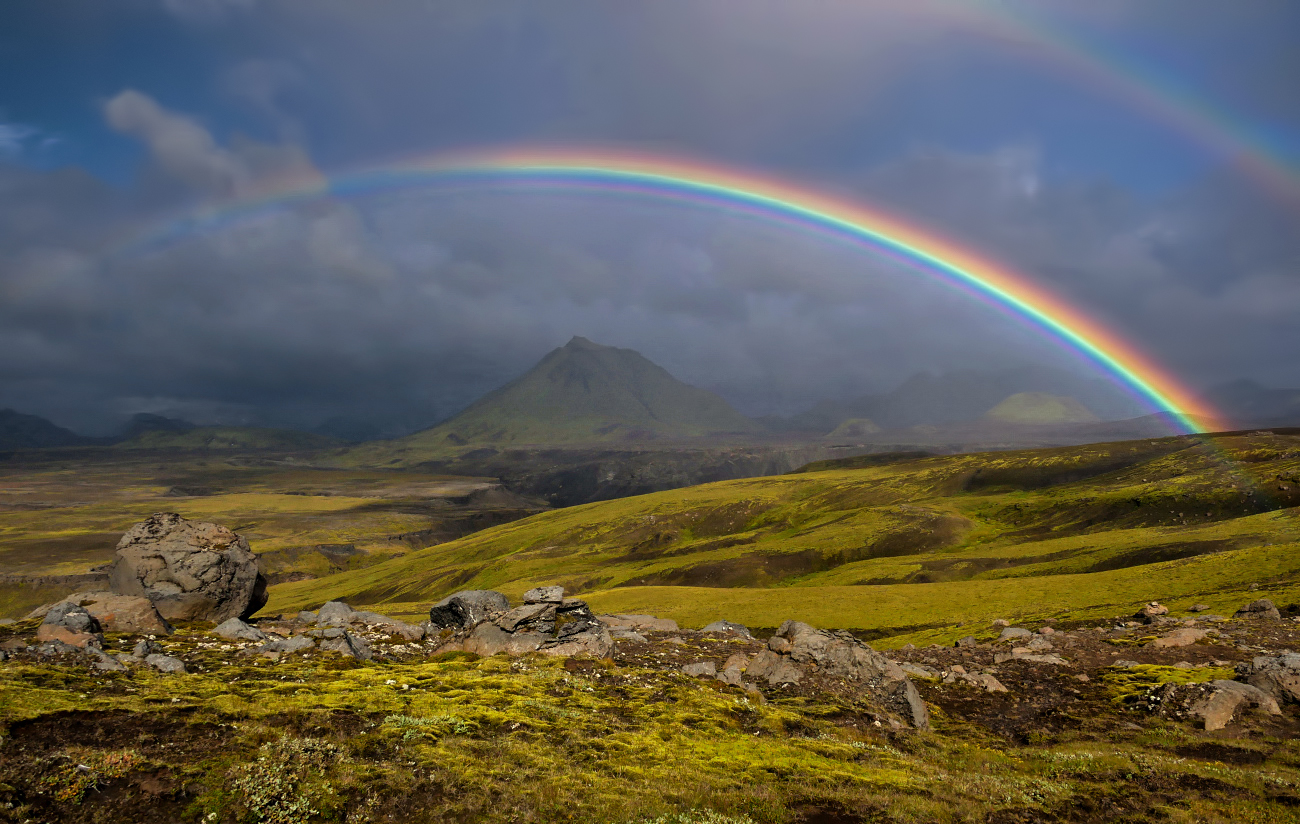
(912, 547)
(580, 393)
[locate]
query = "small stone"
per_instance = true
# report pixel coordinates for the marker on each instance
(297, 643)
(1046, 631)
(778, 644)
(144, 648)
(237, 630)
(966, 642)
(703, 669)
(1197, 608)
(999, 623)
(1011, 633)
(729, 628)
(165, 663)
(306, 617)
(1151, 612)
(1180, 638)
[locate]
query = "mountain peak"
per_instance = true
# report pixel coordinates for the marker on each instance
(587, 392)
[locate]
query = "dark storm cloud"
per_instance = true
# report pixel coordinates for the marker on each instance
(402, 307)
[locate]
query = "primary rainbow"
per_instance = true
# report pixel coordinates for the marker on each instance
(745, 192)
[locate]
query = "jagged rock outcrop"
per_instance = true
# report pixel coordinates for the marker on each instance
(799, 650)
(190, 570)
(564, 627)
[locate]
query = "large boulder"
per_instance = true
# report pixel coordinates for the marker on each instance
(467, 609)
(1220, 701)
(123, 613)
(190, 570)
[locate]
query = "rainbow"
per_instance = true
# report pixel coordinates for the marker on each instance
(746, 193)
(1258, 155)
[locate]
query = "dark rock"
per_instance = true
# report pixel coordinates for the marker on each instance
(71, 624)
(145, 648)
(191, 571)
(573, 617)
(466, 609)
(534, 617)
(1263, 609)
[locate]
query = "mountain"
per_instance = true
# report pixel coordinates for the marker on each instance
(1246, 403)
(581, 393)
(145, 422)
(19, 431)
(1041, 408)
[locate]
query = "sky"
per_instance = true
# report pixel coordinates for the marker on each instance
(1140, 159)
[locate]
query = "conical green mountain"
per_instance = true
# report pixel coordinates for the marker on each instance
(1041, 408)
(585, 392)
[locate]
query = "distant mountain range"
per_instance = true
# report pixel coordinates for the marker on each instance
(586, 393)
(19, 431)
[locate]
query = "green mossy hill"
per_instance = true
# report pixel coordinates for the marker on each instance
(911, 548)
(1040, 408)
(230, 438)
(580, 393)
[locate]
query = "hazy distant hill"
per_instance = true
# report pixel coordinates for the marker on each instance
(1246, 403)
(582, 393)
(957, 397)
(19, 431)
(145, 422)
(229, 437)
(1041, 408)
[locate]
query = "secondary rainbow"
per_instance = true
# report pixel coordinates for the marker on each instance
(717, 187)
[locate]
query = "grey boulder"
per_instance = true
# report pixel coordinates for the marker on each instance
(467, 609)
(1263, 609)
(165, 663)
(70, 623)
(1279, 676)
(190, 570)
(236, 630)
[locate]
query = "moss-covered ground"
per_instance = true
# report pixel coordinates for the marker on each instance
(455, 738)
(913, 548)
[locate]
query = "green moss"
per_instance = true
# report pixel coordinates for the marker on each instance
(1125, 684)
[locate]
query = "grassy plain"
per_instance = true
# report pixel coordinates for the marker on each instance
(61, 514)
(913, 549)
